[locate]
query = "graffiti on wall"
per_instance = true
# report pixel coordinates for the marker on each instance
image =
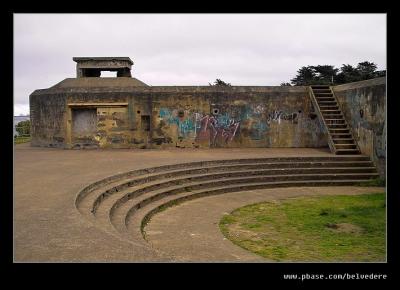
(215, 128)
(277, 116)
(181, 118)
(222, 125)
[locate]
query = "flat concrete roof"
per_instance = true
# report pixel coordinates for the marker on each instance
(96, 58)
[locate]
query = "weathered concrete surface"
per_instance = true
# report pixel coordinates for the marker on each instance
(190, 231)
(47, 226)
(194, 117)
(364, 107)
(92, 66)
(142, 116)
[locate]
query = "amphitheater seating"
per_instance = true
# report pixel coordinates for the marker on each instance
(122, 204)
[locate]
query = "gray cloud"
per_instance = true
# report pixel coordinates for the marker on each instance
(192, 49)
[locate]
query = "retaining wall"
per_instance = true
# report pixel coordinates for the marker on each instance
(364, 107)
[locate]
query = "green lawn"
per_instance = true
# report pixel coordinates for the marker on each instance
(324, 228)
(20, 140)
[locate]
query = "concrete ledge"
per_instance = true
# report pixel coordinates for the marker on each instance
(360, 84)
(106, 86)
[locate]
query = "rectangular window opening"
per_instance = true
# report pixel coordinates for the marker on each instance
(108, 74)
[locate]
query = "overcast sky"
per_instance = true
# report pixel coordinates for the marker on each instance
(192, 49)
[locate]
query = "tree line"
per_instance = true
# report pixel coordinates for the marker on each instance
(329, 75)
(23, 128)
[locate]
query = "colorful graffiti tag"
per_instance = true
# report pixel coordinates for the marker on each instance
(215, 128)
(221, 128)
(280, 115)
(184, 124)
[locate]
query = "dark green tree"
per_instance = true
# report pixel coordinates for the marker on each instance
(325, 74)
(367, 70)
(285, 85)
(219, 82)
(305, 76)
(348, 74)
(328, 74)
(23, 128)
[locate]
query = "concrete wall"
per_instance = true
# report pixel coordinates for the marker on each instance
(364, 107)
(48, 119)
(162, 117)
(234, 117)
(205, 117)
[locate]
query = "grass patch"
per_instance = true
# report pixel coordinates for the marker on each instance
(337, 228)
(19, 140)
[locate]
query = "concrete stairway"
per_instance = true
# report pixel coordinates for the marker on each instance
(122, 204)
(340, 137)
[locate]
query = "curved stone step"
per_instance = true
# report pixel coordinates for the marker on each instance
(100, 195)
(205, 177)
(109, 181)
(143, 200)
(111, 202)
(114, 202)
(135, 226)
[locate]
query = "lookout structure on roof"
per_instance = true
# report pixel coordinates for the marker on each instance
(93, 66)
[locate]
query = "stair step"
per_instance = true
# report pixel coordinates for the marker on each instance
(325, 104)
(329, 108)
(332, 115)
(143, 200)
(341, 120)
(343, 141)
(154, 187)
(128, 186)
(320, 90)
(333, 123)
(336, 136)
(325, 97)
(205, 171)
(337, 126)
(114, 181)
(162, 185)
(184, 184)
(345, 146)
(347, 151)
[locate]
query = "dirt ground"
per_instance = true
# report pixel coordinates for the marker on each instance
(48, 227)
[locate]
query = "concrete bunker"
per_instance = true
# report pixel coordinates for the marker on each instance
(124, 112)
